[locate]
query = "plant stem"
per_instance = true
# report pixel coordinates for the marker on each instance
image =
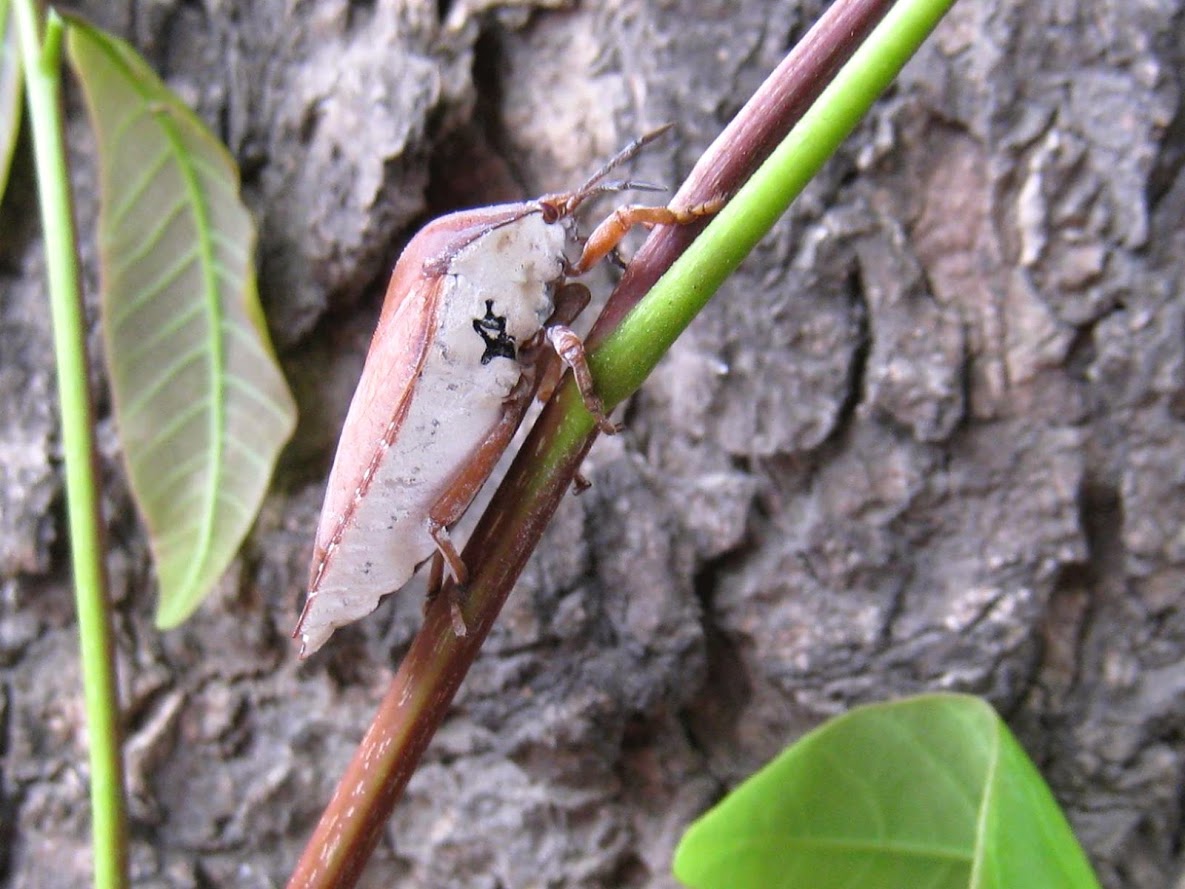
(776, 106)
(543, 470)
(630, 353)
(43, 89)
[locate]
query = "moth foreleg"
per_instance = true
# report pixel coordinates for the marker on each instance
(609, 233)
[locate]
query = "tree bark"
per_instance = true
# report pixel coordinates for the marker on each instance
(931, 436)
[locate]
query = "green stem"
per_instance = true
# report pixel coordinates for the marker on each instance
(40, 57)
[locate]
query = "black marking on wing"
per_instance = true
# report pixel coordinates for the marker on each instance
(492, 330)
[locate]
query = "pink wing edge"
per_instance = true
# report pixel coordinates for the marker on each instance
(396, 357)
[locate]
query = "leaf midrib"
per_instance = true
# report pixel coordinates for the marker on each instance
(217, 425)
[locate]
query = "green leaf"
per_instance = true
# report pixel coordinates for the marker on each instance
(931, 792)
(10, 92)
(201, 406)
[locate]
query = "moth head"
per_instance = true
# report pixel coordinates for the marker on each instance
(554, 208)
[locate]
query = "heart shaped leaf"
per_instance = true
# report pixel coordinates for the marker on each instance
(201, 405)
(931, 792)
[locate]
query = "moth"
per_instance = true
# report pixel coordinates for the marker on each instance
(476, 303)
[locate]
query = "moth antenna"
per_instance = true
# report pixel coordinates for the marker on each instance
(626, 185)
(626, 154)
(566, 204)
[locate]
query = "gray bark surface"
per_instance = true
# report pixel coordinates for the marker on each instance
(931, 436)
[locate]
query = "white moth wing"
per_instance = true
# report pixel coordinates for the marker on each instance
(451, 347)
(379, 407)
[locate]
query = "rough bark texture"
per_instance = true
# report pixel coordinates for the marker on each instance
(932, 436)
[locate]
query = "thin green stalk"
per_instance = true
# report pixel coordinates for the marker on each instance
(41, 59)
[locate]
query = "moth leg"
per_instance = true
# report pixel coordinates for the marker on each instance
(459, 492)
(435, 582)
(446, 554)
(570, 300)
(570, 348)
(456, 617)
(447, 551)
(609, 233)
(435, 579)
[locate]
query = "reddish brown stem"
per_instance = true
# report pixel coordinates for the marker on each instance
(510, 529)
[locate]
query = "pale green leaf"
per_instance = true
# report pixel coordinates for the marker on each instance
(10, 92)
(201, 406)
(926, 793)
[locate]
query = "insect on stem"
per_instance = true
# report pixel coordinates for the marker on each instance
(475, 315)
